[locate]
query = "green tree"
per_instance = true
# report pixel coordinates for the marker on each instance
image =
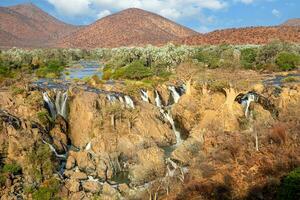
(287, 60)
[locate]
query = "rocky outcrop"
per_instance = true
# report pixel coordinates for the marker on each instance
(149, 165)
(83, 118)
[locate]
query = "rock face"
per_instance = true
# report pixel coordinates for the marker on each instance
(59, 134)
(150, 165)
(82, 118)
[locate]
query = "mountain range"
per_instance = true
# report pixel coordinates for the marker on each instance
(28, 26)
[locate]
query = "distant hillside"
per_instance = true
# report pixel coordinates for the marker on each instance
(251, 35)
(129, 27)
(292, 22)
(28, 26)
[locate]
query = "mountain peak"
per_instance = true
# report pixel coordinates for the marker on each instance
(132, 26)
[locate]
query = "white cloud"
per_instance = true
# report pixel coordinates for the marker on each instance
(103, 13)
(71, 8)
(245, 1)
(276, 13)
(173, 9)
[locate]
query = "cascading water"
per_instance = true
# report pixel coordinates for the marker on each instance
(144, 96)
(54, 151)
(111, 98)
(129, 102)
(50, 105)
(126, 100)
(167, 115)
(61, 103)
(246, 101)
(175, 94)
(158, 101)
(166, 112)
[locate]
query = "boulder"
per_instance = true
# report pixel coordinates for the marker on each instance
(108, 192)
(91, 186)
(70, 162)
(150, 165)
(84, 161)
(72, 185)
(79, 176)
(77, 196)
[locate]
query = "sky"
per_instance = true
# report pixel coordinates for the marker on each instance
(200, 15)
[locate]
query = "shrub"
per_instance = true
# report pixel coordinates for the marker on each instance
(40, 165)
(287, 60)
(290, 187)
(135, 70)
(17, 91)
(48, 191)
(248, 57)
(53, 69)
(43, 117)
(209, 57)
(12, 168)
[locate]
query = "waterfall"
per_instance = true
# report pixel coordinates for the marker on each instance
(88, 146)
(167, 115)
(61, 103)
(90, 178)
(121, 99)
(50, 105)
(54, 151)
(246, 101)
(175, 94)
(129, 102)
(144, 96)
(111, 98)
(157, 100)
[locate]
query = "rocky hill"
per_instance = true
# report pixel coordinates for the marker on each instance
(250, 35)
(292, 22)
(26, 25)
(128, 27)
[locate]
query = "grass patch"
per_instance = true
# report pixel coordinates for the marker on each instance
(290, 79)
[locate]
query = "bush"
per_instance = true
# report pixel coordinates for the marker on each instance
(40, 165)
(248, 57)
(287, 60)
(12, 168)
(48, 191)
(53, 69)
(209, 57)
(135, 70)
(43, 117)
(290, 187)
(17, 90)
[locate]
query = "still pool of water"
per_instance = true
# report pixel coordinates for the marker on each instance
(83, 69)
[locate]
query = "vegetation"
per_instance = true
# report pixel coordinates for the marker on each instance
(40, 165)
(287, 61)
(140, 63)
(12, 168)
(8, 168)
(53, 69)
(248, 57)
(290, 188)
(48, 190)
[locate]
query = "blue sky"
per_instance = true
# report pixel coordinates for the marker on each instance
(201, 15)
